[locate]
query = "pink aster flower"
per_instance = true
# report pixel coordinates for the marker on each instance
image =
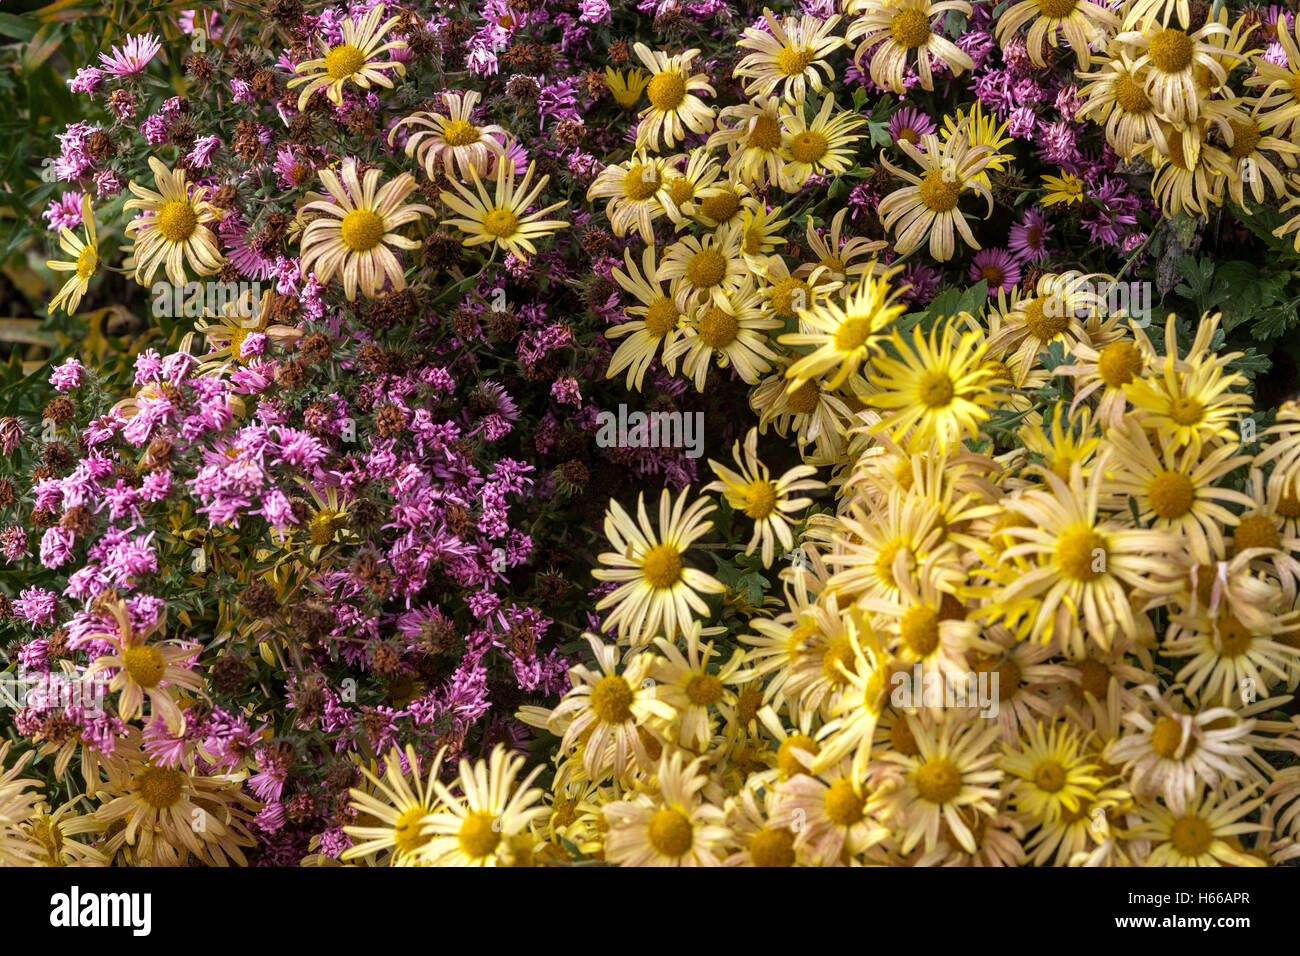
(64, 212)
(1028, 239)
(998, 268)
(67, 376)
(132, 56)
(37, 605)
(88, 80)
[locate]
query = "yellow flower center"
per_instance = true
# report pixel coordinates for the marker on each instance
(772, 848)
(641, 182)
(666, 91)
(501, 222)
(786, 762)
(937, 193)
(1167, 737)
(1245, 137)
(792, 61)
(1235, 638)
(938, 780)
(144, 665)
(564, 812)
(406, 831)
(1058, 9)
(760, 499)
(662, 567)
(764, 133)
(1049, 776)
(720, 207)
(935, 389)
(681, 190)
(1082, 554)
(1171, 494)
(803, 400)
(87, 262)
(670, 833)
(919, 630)
(1042, 326)
(1186, 411)
(361, 230)
(808, 146)
(707, 268)
(661, 316)
(1191, 836)
(852, 333)
(323, 525)
(704, 690)
(611, 699)
(1131, 97)
(159, 787)
(177, 220)
(884, 565)
(1171, 50)
(343, 60)
(1119, 363)
(790, 296)
(460, 133)
(844, 806)
(1257, 531)
(718, 328)
(838, 652)
(910, 28)
(478, 837)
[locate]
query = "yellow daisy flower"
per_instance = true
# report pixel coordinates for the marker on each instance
(84, 264)
(173, 230)
(354, 60)
(894, 32)
(675, 99)
(791, 56)
(503, 218)
(392, 810)
(454, 142)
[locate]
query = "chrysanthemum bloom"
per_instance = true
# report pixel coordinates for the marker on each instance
(146, 669)
(1249, 158)
(734, 329)
(674, 827)
(1280, 82)
(1028, 238)
(835, 816)
(1114, 96)
(1052, 774)
(1205, 833)
(697, 694)
(1179, 69)
(478, 826)
(50, 832)
(928, 207)
(705, 268)
(1085, 562)
(391, 811)
(656, 592)
(654, 322)
(161, 816)
(173, 230)
(1107, 369)
(753, 492)
(839, 256)
(820, 147)
(633, 188)
(84, 264)
(842, 334)
(606, 713)
(236, 320)
(675, 103)
(1080, 21)
(792, 56)
(755, 140)
(686, 190)
(503, 218)
(1191, 401)
(936, 391)
(1172, 752)
(132, 56)
(355, 60)
(1061, 309)
(454, 141)
(909, 124)
(762, 234)
(951, 770)
(761, 842)
(893, 32)
(357, 225)
(1229, 655)
(856, 708)
(1175, 489)
(1064, 189)
(819, 417)
(1190, 179)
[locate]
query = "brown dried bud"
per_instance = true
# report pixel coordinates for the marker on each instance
(390, 421)
(459, 521)
(230, 673)
(259, 599)
(384, 659)
(60, 410)
(291, 374)
(78, 519)
(199, 66)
